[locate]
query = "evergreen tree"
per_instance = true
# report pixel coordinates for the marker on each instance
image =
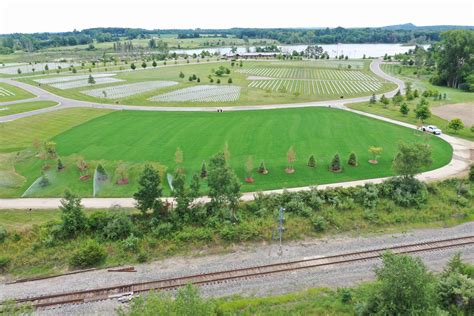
(101, 172)
(149, 191)
(203, 170)
(72, 216)
(262, 168)
(404, 109)
(311, 162)
(132, 66)
(44, 180)
(91, 80)
(373, 99)
(352, 161)
(60, 165)
(181, 74)
(336, 163)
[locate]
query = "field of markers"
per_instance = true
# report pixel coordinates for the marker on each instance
(10, 69)
(311, 80)
(337, 64)
(201, 93)
(71, 82)
(122, 91)
(5, 93)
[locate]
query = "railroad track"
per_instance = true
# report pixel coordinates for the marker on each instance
(235, 274)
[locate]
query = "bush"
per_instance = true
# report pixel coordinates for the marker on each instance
(88, 255)
(311, 162)
(319, 223)
(4, 263)
(471, 173)
(163, 230)
(118, 227)
(370, 196)
(131, 243)
(405, 191)
(352, 161)
(3, 234)
(142, 257)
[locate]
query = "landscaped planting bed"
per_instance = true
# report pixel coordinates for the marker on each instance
(83, 83)
(4, 92)
(201, 93)
(70, 78)
(27, 68)
(126, 90)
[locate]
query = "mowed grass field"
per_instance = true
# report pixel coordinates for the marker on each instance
(323, 80)
(135, 137)
(12, 93)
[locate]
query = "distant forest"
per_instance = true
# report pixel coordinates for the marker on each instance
(393, 34)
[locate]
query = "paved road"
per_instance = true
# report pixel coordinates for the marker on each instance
(460, 162)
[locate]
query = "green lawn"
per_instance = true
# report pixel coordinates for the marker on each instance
(135, 137)
(20, 134)
(12, 93)
(248, 95)
(24, 107)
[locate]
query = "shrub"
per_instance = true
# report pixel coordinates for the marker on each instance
(370, 196)
(88, 255)
(44, 181)
(131, 243)
(319, 223)
(102, 174)
(406, 191)
(336, 163)
(471, 173)
(229, 81)
(60, 165)
(3, 234)
(142, 257)
(118, 227)
(311, 162)
(203, 170)
(352, 161)
(4, 263)
(163, 230)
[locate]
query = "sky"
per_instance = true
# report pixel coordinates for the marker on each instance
(27, 16)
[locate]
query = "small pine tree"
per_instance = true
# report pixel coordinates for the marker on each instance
(190, 78)
(198, 79)
(311, 162)
(416, 94)
(262, 169)
(203, 170)
(132, 66)
(352, 161)
(144, 65)
(60, 165)
(373, 99)
(404, 109)
(218, 80)
(101, 172)
(91, 80)
(336, 163)
(154, 64)
(181, 74)
(229, 81)
(44, 181)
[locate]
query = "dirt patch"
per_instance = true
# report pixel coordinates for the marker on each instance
(463, 111)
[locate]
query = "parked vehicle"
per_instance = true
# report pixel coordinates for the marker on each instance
(431, 129)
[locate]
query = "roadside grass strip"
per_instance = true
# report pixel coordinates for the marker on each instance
(204, 93)
(70, 78)
(4, 92)
(83, 83)
(126, 90)
(27, 68)
(316, 87)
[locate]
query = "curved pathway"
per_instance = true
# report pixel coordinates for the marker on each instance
(463, 150)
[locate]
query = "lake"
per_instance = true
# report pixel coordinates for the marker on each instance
(351, 50)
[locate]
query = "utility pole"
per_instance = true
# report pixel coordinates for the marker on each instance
(281, 219)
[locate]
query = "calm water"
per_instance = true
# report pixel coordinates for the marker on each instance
(351, 50)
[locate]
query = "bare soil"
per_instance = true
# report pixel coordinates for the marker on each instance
(463, 111)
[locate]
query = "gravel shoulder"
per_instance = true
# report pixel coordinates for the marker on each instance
(245, 256)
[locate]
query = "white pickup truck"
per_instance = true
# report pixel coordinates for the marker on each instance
(431, 129)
